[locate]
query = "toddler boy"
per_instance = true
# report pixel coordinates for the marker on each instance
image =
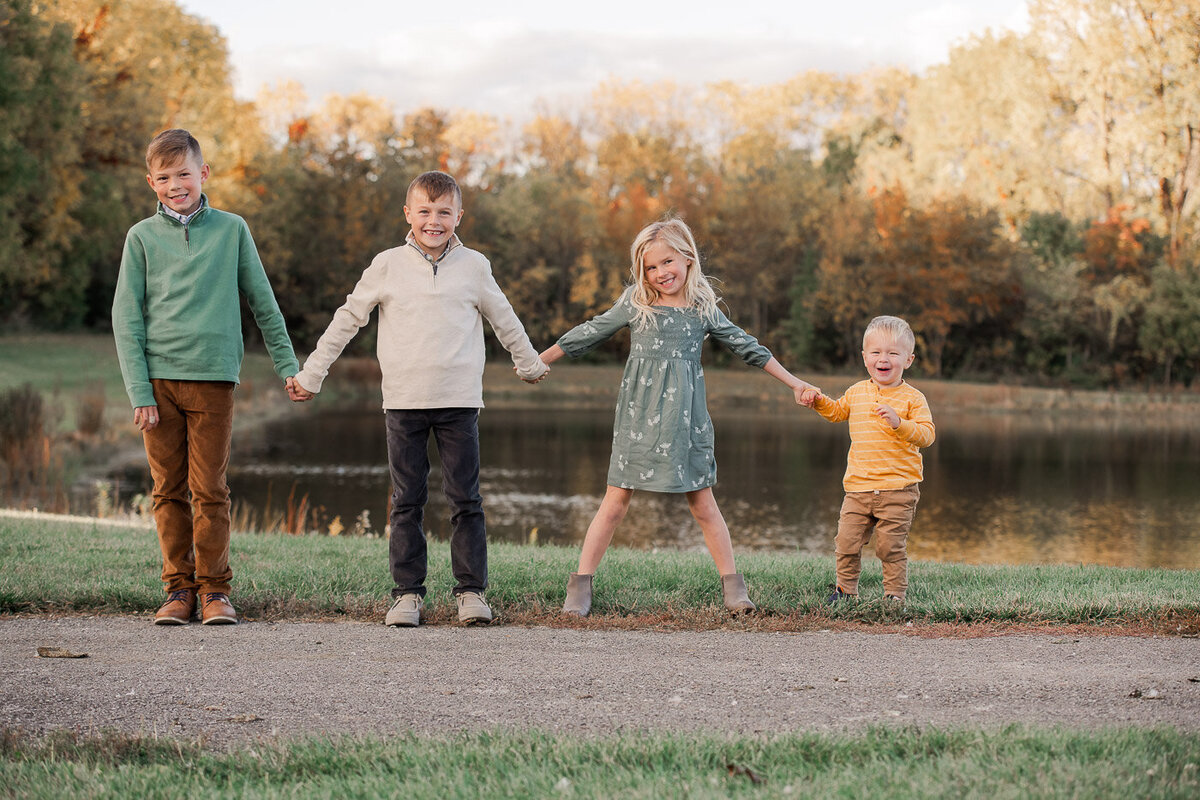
(889, 423)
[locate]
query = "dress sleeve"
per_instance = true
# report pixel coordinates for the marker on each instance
(598, 329)
(743, 345)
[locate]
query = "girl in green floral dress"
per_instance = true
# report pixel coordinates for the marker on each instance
(662, 433)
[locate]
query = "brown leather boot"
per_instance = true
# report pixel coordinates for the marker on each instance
(216, 609)
(179, 608)
(579, 595)
(737, 599)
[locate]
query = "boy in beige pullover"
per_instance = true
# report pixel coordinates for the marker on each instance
(433, 295)
(889, 423)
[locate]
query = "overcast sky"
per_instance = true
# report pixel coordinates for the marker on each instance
(501, 56)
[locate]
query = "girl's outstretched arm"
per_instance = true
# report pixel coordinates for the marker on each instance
(551, 354)
(799, 388)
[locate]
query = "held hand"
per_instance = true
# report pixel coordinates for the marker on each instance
(538, 379)
(807, 395)
(145, 417)
(296, 392)
(888, 415)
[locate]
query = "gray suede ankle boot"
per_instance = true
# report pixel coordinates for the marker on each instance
(737, 599)
(579, 595)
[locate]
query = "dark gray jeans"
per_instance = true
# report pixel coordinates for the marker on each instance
(456, 431)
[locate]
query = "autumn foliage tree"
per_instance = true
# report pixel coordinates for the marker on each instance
(944, 268)
(41, 88)
(1030, 204)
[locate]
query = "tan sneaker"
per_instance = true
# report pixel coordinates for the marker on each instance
(216, 609)
(179, 608)
(472, 608)
(406, 611)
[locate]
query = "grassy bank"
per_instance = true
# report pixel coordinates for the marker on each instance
(114, 569)
(1015, 762)
(65, 418)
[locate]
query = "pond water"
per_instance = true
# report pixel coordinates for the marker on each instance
(1004, 489)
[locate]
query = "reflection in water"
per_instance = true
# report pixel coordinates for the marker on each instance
(1002, 489)
(1009, 531)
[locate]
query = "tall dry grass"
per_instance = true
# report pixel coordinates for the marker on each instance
(30, 469)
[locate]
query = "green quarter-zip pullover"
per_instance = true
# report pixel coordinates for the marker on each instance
(176, 312)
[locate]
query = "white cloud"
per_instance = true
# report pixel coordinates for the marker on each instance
(505, 75)
(501, 58)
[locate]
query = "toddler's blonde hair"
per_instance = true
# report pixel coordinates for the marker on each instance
(895, 327)
(697, 291)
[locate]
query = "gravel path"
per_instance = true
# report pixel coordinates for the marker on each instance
(286, 679)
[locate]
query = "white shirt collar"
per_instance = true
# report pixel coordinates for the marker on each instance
(184, 219)
(453, 243)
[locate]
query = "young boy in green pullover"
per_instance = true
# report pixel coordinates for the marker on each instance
(176, 318)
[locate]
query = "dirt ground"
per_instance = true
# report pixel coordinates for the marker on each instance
(262, 680)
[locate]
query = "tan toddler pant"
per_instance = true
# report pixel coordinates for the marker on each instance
(886, 514)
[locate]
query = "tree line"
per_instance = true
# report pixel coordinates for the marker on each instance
(1030, 205)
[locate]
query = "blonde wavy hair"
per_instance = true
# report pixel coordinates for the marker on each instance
(698, 293)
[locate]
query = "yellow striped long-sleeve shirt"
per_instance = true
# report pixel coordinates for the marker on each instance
(881, 458)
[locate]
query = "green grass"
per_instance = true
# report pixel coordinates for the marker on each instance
(72, 362)
(1014, 762)
(67, 367)
(115, 568)
(66, 363)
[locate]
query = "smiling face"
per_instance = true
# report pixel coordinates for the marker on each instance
(178, 184)
(885, 358)
(665, 272)
(433, 219)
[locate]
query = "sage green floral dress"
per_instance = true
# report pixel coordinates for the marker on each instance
(662, 434)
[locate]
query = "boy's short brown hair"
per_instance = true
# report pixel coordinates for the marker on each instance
(435, 185)
(172, 146)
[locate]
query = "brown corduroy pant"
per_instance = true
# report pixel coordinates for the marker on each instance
(886, 514)
(188, 453)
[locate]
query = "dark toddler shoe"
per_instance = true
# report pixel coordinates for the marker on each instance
(217, 610)
(179, 608)
(838, 596)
